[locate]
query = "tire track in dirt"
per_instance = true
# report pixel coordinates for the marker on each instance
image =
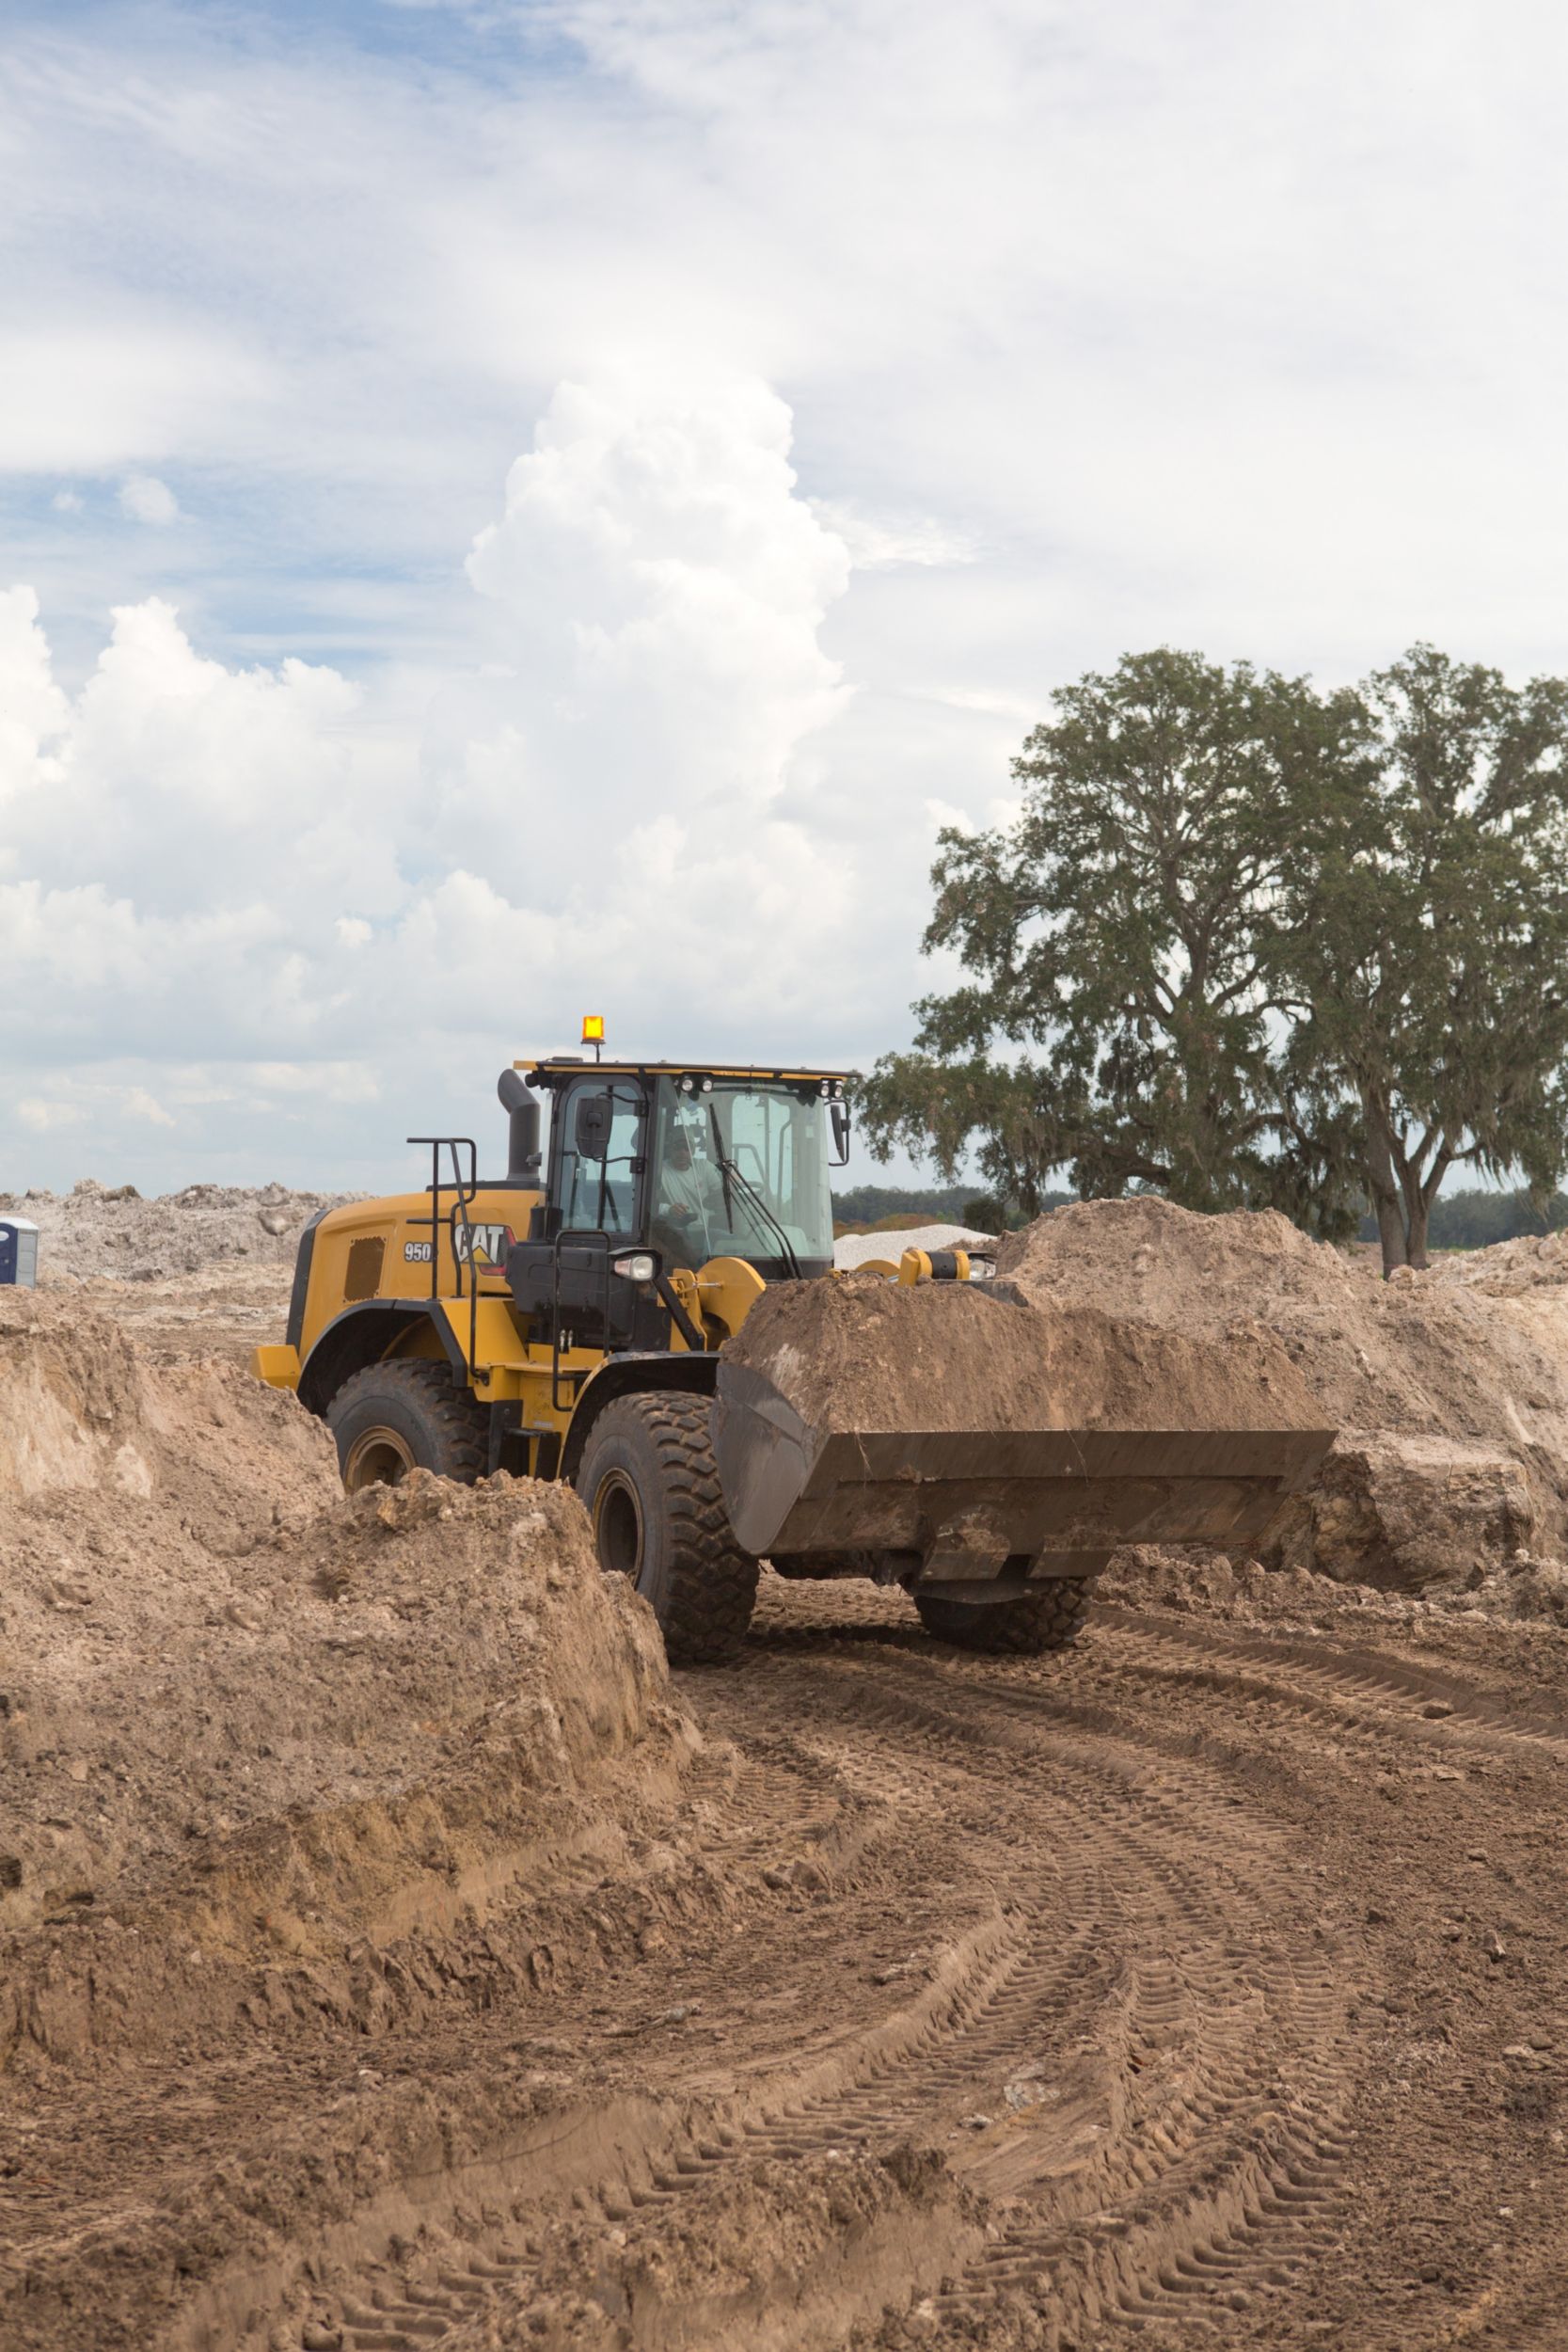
(1364, 1687)
(1199, 2131)
(1155, 2070)
(1222, 2183)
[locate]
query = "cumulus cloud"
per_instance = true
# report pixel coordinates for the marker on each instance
(146, 499)
(140, 1104)
(34, 713)
(658, 589)
(883, 542)
(39, 1114)
(207, 861)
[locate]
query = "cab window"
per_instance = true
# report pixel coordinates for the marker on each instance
(608, 1115)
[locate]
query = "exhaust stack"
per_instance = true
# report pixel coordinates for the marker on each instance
(521, 1106)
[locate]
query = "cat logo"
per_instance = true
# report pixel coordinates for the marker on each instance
(481, 1244)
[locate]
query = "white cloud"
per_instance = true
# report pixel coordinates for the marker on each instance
(880, 543)
(660, 588)
(140, 1104)
(67, 503)
(604, 804)
(146, 499)
(34, 712)
(39, 1114)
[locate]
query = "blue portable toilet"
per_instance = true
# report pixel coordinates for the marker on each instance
(19, 1251)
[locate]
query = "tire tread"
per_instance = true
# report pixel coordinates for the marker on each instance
(459, 1420)
(713, 1583)
(1026, 1628)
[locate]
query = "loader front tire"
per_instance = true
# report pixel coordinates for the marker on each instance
(1026, 1628)
(653, 1495)
(392, 1418)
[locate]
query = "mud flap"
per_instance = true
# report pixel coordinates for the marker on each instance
(965, 1501)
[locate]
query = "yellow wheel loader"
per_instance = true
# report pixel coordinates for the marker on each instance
(565, 1320)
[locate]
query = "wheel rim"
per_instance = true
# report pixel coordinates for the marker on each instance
(379, 1457)
(618, 1526)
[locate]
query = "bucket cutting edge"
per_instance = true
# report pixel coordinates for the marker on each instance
(791, 1487)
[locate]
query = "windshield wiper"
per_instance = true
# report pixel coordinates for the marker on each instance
(763, 1217)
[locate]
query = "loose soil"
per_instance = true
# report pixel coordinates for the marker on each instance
(864, 1353)
(1449, 1389)
(1204, 1982)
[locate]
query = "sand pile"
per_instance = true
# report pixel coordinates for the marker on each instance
(104, 1456)
(242, 1712)
(96, 1229)
(1449, 1389)
(866, 1354)
(1510, 1269)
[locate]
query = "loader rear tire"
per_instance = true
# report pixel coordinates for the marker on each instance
(1026, 1628)
(392, 1418)
(653, 1495)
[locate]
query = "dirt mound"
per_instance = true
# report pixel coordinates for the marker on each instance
(242, 1712)
(1510, 1269)
(98, 1229)
(1449, 1387)
(868, 1354)
(196, 1454)
(1194, 1580)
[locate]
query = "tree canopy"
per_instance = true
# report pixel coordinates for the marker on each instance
(1251, 943)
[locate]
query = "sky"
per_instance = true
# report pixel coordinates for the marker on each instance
(515, 508)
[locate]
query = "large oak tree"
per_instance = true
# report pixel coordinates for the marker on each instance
(1427, 939)
(1248, 943)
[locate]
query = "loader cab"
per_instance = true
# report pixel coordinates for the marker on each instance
(690, 1165)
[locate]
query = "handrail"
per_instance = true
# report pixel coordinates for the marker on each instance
(466, 1195)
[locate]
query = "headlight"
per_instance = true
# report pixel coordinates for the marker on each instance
(638, 1267)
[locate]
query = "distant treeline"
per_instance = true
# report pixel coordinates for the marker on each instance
(950, 1204)
(1460, 1220)
(1473, 1219)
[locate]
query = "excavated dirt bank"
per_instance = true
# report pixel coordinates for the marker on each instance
(244, 1720)
(1449, 1389)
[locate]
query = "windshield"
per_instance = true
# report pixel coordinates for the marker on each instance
(741, 1171)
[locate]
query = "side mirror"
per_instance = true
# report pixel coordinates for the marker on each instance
(839, 1114)
(591, 1129)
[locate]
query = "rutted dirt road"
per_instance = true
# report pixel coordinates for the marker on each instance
(1198, 1981)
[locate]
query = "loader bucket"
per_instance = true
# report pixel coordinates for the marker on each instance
(963, 1501)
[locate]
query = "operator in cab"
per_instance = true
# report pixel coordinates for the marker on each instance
(689, 1217)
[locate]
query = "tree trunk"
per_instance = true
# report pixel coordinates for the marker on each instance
(1416, 1238)
(1415, 1212)
(1383, 1184)
(1419, 1194)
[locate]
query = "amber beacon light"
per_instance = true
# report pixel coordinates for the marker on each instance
(592, 1031)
